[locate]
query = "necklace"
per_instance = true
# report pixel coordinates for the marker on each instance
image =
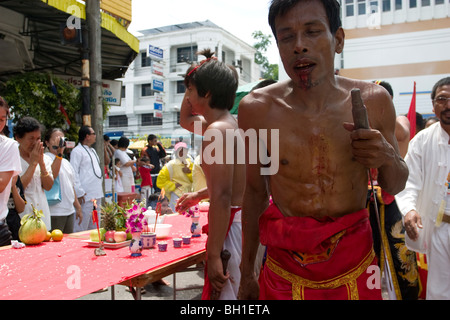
(92, 162)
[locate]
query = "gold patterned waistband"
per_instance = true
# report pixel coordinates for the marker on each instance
(348, 279)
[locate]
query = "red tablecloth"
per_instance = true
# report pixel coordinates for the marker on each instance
(69, 269)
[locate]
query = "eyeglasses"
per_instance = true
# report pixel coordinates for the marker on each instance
(91, 133)
(441, 100)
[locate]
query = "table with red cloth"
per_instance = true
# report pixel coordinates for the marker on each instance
(69, 269)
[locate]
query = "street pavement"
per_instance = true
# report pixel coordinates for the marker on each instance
(158, 291)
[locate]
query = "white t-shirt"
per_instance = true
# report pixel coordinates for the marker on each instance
(9, 161)
(124, 158)
(88, 174)
(66, 181)
(35, 194)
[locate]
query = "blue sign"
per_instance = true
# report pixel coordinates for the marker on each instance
(155, 52)
(157, 106)
(158, 85)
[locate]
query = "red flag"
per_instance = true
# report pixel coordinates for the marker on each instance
(63, 111)
(60, 106)
(412, 114)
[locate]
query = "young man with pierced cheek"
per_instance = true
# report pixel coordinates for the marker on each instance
(316, 229)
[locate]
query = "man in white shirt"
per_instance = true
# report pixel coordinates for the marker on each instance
(425, 201)
(88, 177)
(9, 167)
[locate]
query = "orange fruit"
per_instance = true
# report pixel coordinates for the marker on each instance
(57, 235)
(48, 236)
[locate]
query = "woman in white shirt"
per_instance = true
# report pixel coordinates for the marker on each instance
(36, 175)
(62, 213)
(127, 164)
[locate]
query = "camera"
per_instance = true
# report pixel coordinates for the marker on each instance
(64, 143)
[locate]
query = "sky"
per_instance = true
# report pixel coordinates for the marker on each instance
(239, 17)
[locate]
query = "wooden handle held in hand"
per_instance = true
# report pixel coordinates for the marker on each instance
(359, 111)
(225, 256)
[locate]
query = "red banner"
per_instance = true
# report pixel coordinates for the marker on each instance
(412, 114)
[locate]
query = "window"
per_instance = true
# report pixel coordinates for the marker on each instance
(386, 5)
(349, 10)
(373, 7)
(425, 3)
(146, 90)
(118, 121)
(361, 7)
(180, 87)
(187, 54)
(398, 4)
(413, 3)
(145, 61)
(122, 92)
(439, 2)
(178, 118)
(147, 119)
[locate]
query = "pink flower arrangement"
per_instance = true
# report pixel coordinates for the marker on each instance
(191, 211)
(135, 218)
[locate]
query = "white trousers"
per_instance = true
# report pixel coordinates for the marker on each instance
(87, 223)
(233, 243)
(438, 259)
(128, 183)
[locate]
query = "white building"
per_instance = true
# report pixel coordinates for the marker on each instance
(399, 41)
(153, 86)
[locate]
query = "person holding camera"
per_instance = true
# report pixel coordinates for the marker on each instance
(62, 212)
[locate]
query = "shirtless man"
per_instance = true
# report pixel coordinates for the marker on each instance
(317, 232)
(210, 92)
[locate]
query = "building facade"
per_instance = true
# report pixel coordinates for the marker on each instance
(399, 41)
(153, 86)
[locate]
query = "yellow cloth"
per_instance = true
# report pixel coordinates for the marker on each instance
(198, 176)
(171, 174)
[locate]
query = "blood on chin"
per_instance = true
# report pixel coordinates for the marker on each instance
(305, 82)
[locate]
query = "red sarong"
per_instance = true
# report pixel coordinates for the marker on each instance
(207, 289)
(312, 259)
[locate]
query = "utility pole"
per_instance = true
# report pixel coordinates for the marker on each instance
(85, 79)
(93, 20)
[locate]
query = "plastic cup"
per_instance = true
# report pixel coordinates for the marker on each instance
(186, 239)
(177, 242)
(162, 246)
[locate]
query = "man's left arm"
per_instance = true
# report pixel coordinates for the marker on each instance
(377, 147)
(220, 188)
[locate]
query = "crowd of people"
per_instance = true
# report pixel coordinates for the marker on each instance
(37, 171)
(345, 199)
